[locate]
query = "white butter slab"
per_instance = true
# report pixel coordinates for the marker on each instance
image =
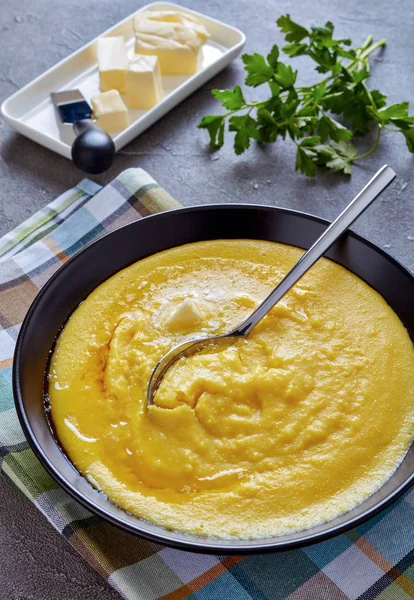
(31, 112)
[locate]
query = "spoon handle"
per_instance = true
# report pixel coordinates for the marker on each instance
(93, 150)
(354, 209)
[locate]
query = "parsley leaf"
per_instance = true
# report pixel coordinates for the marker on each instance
(295, 49)
(285, 75)
(323, 29)
(379, 99)
(310, 141)
(230, 99)
(258, 70)
(335, 156)
(328, 127)
(293, 31)
(304, 163)
(409, 138)
(246, 128)
(359, 76)
(404, 123)
(395, 111)
(268, 128)
(348, 151)
(319, 92)
(274, 88)
(215, 127)
(273, 56)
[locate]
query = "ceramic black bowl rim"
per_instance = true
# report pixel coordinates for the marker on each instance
(221, 547)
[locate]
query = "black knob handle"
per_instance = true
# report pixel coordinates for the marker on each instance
(93, 150)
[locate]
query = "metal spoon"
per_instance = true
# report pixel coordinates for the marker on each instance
(354, 209)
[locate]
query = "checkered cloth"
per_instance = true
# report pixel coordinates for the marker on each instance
(375, 560)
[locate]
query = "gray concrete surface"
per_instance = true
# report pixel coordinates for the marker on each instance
(35, 563)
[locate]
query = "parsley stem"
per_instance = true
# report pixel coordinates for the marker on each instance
(367, 42)
(371, 150)
(305, 104)
(373, 47)
(362, 56)
(310, 87)
(249, 106)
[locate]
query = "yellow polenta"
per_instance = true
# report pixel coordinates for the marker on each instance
(288, 428)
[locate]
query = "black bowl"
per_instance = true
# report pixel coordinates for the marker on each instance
(101, 259)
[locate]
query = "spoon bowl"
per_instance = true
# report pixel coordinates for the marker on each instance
(184, 350)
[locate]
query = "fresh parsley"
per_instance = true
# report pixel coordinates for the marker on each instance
(307, 114)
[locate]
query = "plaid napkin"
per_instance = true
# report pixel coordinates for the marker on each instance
(375, 560)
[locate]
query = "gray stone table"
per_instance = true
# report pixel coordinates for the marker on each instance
(35, 563)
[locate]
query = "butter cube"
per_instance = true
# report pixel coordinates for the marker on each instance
(175, 37)
(144, 87)
(110, 111)
(112, 63)
(187, 314)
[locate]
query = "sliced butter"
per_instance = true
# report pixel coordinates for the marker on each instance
(175, 37)
(112, 63)
(187, 314)
(110, 111)
(144, 87)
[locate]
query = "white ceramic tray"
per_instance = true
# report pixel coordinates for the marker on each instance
(30, 110)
